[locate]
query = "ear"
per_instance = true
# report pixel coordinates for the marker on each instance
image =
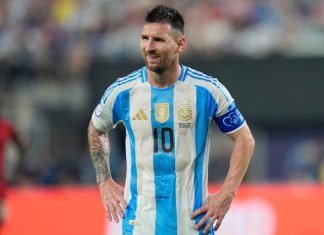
(181, 41)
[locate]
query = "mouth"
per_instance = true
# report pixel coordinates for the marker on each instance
(152, 57)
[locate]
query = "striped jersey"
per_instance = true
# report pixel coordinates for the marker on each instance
(167, 146)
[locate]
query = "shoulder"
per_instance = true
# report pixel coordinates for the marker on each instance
(124, 83)
(197, 77)
(201, 79)
(206, 82)
(131, 78)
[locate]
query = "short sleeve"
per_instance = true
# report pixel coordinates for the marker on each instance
(102, 116)
(228, 117)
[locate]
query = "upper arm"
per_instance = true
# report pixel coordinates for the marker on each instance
(226, 114)
(102, 116)
(243, 136)
(93, 131)
(110, 111)
(97, 139)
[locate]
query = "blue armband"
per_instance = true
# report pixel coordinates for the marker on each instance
(230, 120)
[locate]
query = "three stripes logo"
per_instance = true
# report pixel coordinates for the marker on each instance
(140, 115)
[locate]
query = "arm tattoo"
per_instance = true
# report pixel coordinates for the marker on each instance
(99, 151)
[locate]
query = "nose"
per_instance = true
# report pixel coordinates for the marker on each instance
(150, 46)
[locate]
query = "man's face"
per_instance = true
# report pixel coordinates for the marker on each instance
(159, 46)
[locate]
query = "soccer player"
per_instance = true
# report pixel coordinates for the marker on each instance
(8, 134)
(167, 109)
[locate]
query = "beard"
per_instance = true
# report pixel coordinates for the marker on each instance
(158, 68)
(155, 68)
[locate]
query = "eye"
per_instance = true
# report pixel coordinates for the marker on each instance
(144, 37)
(158, 40)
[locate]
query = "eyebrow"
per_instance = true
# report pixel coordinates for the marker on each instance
(154, 37)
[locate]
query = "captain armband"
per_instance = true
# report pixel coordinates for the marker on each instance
(230, 121)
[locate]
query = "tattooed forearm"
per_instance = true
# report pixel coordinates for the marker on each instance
(99, 151)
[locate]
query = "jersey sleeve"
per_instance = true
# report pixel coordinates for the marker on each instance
(228, 117)
(103, 117)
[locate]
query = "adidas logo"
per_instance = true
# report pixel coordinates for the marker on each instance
(140, 115)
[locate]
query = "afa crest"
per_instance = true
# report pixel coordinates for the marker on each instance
(161, 112)
(185, 111)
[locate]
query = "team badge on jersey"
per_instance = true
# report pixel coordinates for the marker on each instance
(98, 110)
(185, 111)
(161, 112)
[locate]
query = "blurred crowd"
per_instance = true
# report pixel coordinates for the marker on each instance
(45, 39)
(45, 31)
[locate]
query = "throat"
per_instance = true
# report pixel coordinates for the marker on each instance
(165, 79)
(162, 82)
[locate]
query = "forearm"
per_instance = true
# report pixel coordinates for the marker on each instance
(240, 159)
(99, 151)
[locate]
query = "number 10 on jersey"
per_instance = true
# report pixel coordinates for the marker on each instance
(163, 138)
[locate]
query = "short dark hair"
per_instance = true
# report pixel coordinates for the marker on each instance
(165, 14)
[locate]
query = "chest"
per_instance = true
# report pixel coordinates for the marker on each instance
(173, 108)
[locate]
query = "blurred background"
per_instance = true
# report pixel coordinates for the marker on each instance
(57, 57)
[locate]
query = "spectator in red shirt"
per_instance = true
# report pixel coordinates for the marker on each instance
(8, 135)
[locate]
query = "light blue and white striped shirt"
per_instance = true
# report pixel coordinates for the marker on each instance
(167, 146)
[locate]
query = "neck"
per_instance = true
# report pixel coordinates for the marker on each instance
(166, 78)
